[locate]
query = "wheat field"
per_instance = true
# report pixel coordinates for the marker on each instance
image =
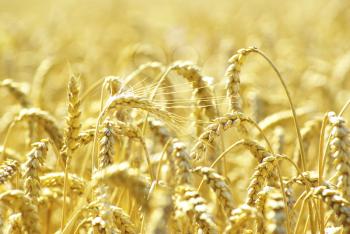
(152, 117)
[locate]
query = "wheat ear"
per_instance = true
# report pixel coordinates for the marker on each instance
(39, 80)
(45, 120)
(258, 151)
(275, 212)
(15, 89)
(36, 158)
(215, 129)
(123, 221)
(337, 203)
(219, 185)
(260, 176)
(240, 218)
(107, 143)
(71, 133)
(132, 101)
(201, 89)
(122, 175)
(182, 163)
(56, 179)
(340, 151)
(232, 75)
(15, 224)
(17, 200)
(260, 207)
(194, 205)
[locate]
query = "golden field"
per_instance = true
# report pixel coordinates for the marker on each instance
(174, 116)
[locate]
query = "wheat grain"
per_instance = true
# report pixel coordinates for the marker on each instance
(8, 169)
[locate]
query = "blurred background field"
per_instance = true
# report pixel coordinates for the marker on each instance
(308, 40)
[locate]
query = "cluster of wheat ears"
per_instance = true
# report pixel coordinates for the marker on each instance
(162, 147)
